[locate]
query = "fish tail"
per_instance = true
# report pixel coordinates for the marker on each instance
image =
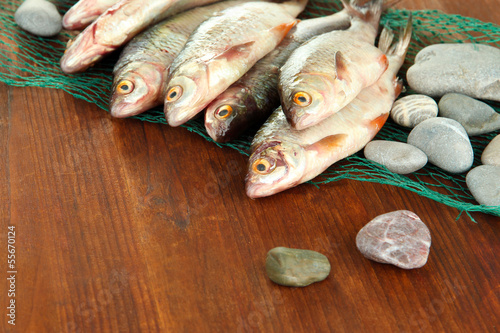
(369, 12)
(397, 52)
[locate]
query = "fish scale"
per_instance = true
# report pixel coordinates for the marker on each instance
(116, 26)
(223, 49)
(254, 96)
(209, 39)
(283, 157)
(327, 72)
(155, 48)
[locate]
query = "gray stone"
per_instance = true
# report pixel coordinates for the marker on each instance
(411, 110)
(39, 17)
(398, 157)
(484, 184)
(491, 154)
(469, 69)
(399, 238)
(295, 267)
(475, 116)
(445, 143)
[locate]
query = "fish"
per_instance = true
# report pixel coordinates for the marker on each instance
(283, 157)
(328, 71)
(116, 26)
(254, 96)
(84, 12)
(140, 73)
(221, 50)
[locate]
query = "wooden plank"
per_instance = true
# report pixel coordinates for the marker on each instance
(129, 226)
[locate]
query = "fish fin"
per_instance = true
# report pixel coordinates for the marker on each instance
(376, 124)
(385, 40)
(398, 86)
(235, 51)
(383, 61)
(369, 12)
(340, 65)
(283, 29)
(400, 48)
(328, 143)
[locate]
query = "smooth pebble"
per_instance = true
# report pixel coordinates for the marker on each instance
(484, 184)
(399, 238)
(475, 116)
(411, 110)
(296, 267)
(491, 154)
(398, 157)
(470, 69)
(445, 143)
(39, 17)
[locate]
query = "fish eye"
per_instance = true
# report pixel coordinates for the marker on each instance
(125, 87)
(262, 166)
(174, 93)
(302, 98)
(223, 111)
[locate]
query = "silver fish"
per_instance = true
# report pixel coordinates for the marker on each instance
(221, 50)
(283, 157)
(253, 97)
(116, 26)
(140, 74)
(84, 12)
(327, 72)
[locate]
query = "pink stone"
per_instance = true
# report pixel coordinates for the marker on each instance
(399, 238)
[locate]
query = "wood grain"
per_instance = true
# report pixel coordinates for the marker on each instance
(126, 226)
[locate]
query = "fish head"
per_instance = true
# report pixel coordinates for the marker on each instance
(309, 98)
(226, 115)
(274, 166)
(136, 88)
(185, 93)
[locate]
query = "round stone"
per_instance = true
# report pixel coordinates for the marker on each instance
(484, 184)
(469, 69)
(39, 17)
(445, 143)
(398, 157)
(491, 154)
(296, 267)
(411, 110)
(399, 238)
(475, 116)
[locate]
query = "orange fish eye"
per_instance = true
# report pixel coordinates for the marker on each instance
(125, 87)
(174, 93)
(262, 166)
(223, 111)
(302, 98)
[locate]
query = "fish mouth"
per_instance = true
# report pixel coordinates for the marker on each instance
(147, 92)
(180, 117)
(124, 110)
(82, 53)
(79, 16)
(300, 121)
(190, 104)
(216, 133)
(256, 185)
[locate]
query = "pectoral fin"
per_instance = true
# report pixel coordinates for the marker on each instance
(283, 29)
(328, 143)
(236, 51)
(340, 65)
(376, 124)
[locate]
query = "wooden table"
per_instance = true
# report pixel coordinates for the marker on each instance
(127, 226)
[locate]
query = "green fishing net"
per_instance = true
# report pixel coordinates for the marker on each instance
(27, 60)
